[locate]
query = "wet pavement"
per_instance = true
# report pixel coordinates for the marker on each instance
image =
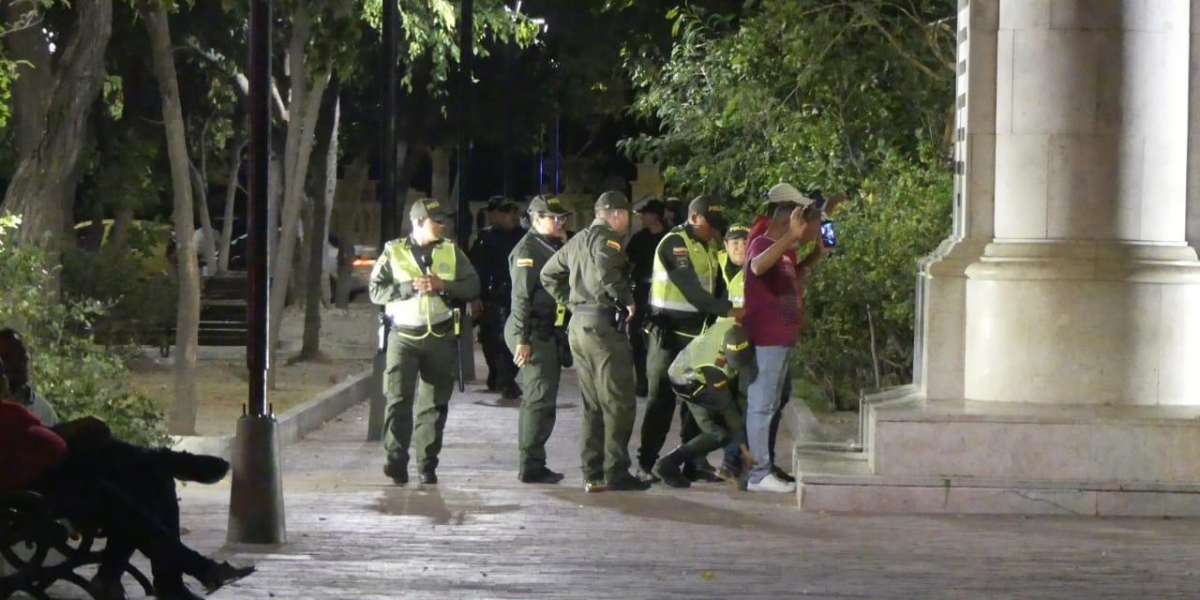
(480, 533)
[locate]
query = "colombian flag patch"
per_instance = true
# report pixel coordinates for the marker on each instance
(524, 262)
(720, 384)
(614, 245)
(680, 251)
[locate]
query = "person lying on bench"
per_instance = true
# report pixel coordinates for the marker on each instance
(62, 464)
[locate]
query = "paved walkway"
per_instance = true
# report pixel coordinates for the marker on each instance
(481, 534)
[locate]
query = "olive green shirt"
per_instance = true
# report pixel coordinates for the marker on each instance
(530, 300)
(383, 287)
(590, 269)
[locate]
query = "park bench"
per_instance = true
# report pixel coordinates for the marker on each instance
(222, 313)
(41, 549)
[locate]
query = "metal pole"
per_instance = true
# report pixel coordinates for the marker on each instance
(257, 231)
(387, 197)
(466, 45)
(256, 496)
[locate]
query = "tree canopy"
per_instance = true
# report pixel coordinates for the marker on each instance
(850, 95)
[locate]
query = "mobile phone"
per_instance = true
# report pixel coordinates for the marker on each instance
(828, 234)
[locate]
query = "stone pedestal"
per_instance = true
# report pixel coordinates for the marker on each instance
(1058, 324)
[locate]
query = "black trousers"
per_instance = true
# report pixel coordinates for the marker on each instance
(502, 373)
(124, 490)
(664, 346)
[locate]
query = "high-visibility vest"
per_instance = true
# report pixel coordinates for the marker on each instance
(421, 310)
(736, 285)
(666, 295)
(706, 350)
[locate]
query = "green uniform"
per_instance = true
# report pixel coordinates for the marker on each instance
(685, 296)
(590, 275)
(703, 375)
(421, 344)
(536, 320)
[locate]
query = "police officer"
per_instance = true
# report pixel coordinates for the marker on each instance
(591, 276)
(419, 279)
(731, 259)
(536, 334)
(703, 377)
(684, 299)
(489, 255)
(641, 260)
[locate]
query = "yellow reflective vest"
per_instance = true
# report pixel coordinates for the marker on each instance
(664, 294)
(735, 286)
(420, 310)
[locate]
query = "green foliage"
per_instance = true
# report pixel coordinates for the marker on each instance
(428, 32)
(78, 378)
(860, 301)
(854, 95)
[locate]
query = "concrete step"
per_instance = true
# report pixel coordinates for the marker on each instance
(958, 439)
(841, 481)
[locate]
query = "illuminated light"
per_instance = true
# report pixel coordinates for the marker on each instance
(363, 262)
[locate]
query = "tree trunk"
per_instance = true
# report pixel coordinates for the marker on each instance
(440, 157)
(235, 169)
(356, 182)
(182, 417)
(331, 180)
(327, 130)
(302, 113)
(199, 180)
(36, 189)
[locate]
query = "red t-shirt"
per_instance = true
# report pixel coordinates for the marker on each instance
(27, 449)
(774, 302)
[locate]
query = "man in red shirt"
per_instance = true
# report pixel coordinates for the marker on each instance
(61, 464)
(774, 315)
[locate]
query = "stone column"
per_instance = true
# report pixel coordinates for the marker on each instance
(1089, 292)
(942, 281)
(1056, 369)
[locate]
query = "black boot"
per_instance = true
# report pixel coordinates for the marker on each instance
(668, 469)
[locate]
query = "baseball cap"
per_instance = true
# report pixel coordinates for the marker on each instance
(653, 206)
(737, 232)
(710, 207)
(739, 353)
(786, 193)
(548, 204)
(494, 202)
(430, 208)
(613, 200)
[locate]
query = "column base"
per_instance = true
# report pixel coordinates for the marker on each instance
(941, 456)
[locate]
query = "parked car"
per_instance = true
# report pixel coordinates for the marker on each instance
(361, 264)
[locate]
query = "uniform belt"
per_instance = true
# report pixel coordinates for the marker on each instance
(440, 328)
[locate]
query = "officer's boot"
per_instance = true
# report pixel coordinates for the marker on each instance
(669, 466)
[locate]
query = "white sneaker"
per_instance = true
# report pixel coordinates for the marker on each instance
(772, 484)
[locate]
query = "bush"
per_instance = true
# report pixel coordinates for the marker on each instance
(859, 302)
(78, 378)
(138, 314)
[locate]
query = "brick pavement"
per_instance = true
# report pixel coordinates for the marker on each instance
(481, 534)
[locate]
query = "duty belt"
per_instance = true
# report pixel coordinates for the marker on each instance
(438, 329)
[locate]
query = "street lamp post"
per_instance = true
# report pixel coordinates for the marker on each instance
(256, 513)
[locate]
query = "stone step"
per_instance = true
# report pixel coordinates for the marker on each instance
(833, 481)
(1032, 442)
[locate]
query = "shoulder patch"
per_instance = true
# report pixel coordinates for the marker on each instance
(524, 262)
(681, 251)
(738, 347)
(615, 245)
(720, 384)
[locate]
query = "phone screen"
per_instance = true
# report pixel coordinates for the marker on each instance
(828, 234)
